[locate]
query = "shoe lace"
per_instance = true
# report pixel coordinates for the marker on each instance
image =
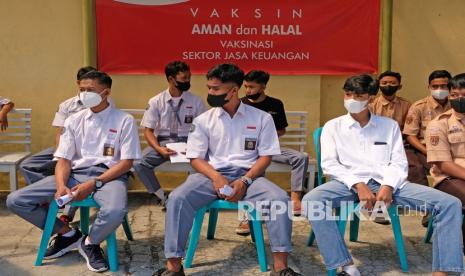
(54, 240)
(96, 252)
(288, 272)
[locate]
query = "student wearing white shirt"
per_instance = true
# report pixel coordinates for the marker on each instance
(231, 144)
(364, 158)
(41, 164)
(167, 119)
(96, 151)
(6, 105)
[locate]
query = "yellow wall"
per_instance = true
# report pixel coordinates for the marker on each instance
(41, 48)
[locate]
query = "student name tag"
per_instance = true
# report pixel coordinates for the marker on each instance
(250, 143)
(188, 119)
(108, 150)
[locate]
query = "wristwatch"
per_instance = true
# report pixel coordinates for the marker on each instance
(246, 180)
(98, 183)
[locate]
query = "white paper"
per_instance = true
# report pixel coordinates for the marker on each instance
(63, 200)
(226, 190)
(180, 149)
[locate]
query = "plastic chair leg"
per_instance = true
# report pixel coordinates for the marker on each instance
(252, 234)
(259, 242)
(84, 211)
(429, 231)
(354, 225)
(47, 233)
(398, 237)
(127, 228)
(112, 252)
(332, 272)
(195, 235)
(212, 220)
(311, 238)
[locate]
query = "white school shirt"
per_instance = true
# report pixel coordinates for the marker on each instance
(351, 154)
(233, 142)
(158, 113)
(89, 138)
(67, 108)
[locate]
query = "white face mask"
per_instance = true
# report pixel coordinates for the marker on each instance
(90, 99)
(440, 94)
(354, 106)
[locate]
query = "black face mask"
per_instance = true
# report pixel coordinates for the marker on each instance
(253, 97)
(388, 90)
(183, 86)
(217, 100)
(458, 104)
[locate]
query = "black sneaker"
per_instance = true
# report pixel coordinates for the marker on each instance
(61, 245)
(343, 273)
(166, 272)
(285, 272)
(93, 255)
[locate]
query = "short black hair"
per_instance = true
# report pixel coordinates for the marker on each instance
(457, 82)
(361, 84)
(257, 76)
(84, 70)
(390, 73)
(173, 68)
(438, 74)
(227, 72)
(101, 77)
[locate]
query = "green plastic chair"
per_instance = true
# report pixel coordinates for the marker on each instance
(213, 208)
(84, 205)
(354, 225)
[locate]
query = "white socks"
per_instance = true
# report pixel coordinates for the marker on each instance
(160, 194)
(352, 270)
(70, 233)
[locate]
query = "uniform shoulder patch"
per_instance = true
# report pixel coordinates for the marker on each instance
(409, 120)
(192, 128)
(63, 130)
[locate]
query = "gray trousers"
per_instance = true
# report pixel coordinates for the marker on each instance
(150, 160)
(299, 163)
(197, 191)
(29, 202)
(38, 166)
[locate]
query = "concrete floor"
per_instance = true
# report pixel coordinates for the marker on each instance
(229, 254)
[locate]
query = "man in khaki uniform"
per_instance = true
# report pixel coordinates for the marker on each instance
(418, 117)
(388, 104)
(445, 143)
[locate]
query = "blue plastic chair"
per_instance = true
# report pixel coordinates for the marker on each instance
(354, 225)
(112, 250)
(214, 207)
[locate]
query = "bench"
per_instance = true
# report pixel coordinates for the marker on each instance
(17, 138)
(295, 137)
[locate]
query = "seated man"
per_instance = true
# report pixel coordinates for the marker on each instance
(445, 144)
(5, 106)
(167, 119)
(231, 144)
(363, 154)
(41, 164)
(96, 151)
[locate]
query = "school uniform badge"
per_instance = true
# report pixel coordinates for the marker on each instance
(192, 128)
(434, 140)
(409, 120)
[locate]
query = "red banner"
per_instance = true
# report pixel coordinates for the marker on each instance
(281, 37)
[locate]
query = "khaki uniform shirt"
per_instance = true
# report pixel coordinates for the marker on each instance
(420, 114)
(445, 141)
(396, 109)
